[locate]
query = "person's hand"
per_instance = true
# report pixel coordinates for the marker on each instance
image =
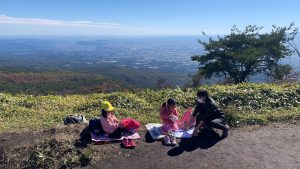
(173, 118)
(116, 120)
(121, 125)
(191, 119)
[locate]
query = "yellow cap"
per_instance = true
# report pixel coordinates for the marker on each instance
(105, 105)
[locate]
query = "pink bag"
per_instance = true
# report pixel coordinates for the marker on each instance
(185, 123)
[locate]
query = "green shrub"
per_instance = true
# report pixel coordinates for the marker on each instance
(243, 104)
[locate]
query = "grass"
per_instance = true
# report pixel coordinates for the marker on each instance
(244, 104)
(50, 152)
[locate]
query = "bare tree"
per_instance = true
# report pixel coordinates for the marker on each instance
(294, 46)
(293, 76)
(290, 40)
(161, 83)
(194, 80)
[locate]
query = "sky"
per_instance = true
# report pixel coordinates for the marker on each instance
(142, 17)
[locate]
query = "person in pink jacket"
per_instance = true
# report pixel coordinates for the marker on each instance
(169, 116)
(110, 124)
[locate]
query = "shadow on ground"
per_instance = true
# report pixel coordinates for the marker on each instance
(85, 138)
(148, 138)
(204, 140)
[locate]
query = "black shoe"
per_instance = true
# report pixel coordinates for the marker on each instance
(225, 133)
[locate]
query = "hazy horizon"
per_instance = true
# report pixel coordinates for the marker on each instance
(136, 18)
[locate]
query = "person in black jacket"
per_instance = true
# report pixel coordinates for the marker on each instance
(198, 112)
(207, 113)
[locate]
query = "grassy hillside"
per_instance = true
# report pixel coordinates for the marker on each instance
(58, 82)
(83, 80)
(243, 104)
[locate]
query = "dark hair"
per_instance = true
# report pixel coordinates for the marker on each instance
(170, 102)
(202, 93)
(205, 94)
(104, 113)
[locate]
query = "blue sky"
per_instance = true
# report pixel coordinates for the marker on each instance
(138, 17)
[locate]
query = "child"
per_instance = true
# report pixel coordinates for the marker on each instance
(169, 116)
(109, 122)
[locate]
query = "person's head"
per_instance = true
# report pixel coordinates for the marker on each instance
(106, 108)
(202, 96)
(171, 103)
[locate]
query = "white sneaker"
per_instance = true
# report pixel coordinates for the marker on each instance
(167, 140)
(173, 140)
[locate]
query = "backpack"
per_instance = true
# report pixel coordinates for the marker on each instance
(73, 119)
(96, 127)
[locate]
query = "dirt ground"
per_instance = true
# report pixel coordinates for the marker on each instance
(274, 146)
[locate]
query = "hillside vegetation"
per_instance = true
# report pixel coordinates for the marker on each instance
(243, 104)
(83, 81)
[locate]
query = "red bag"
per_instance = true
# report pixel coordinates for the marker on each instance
(130, 124)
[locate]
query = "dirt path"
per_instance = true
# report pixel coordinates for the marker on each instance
(275, 146)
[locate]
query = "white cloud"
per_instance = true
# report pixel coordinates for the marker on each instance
(37, 26)
(38, 21)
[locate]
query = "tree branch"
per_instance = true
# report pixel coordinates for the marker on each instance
(293, 45)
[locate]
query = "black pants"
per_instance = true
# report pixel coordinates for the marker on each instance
(218, 123)
(117, 133)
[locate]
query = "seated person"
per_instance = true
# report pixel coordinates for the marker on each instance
(208, 114)
(110, 124)
(169, 116)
